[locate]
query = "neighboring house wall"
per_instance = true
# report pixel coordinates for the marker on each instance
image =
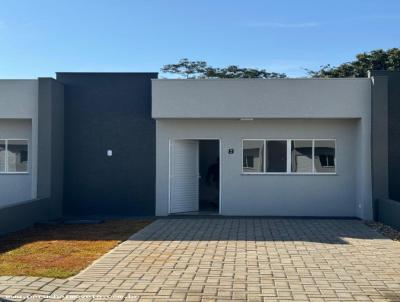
(380, 137)
(293, 108)
(386, 146)
(18, 119)
(51, 144)
(394, 135)
(33, 110)
(108, 111)
(389, 98)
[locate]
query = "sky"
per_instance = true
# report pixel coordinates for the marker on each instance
(41, 37)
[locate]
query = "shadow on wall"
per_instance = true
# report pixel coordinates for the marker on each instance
(387, 211)
(327, 231)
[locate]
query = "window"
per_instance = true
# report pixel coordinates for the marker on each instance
(13, 156)
(324, 158)
(248, 161)
(301, 152)
(2, 156)
(276, 156)
(253, 156)
(290, 156)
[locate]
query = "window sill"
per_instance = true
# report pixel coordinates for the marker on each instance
(291, 174)
(14, 173)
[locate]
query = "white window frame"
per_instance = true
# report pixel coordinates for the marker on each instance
(289, 156)
(6, 156)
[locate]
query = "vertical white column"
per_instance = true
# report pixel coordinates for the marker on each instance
(289, 156)
(265, 156)
(313, 154)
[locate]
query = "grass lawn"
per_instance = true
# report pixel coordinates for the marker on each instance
(61, 251)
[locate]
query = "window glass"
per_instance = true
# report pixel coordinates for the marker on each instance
(301, 155)
(2, 156)
(276, 156)
(324, 156)
(17, 156)
(253, 156)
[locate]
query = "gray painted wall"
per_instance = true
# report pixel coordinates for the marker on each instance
(386, 146)
(34, 110)
(287, 195)
(388, 212)
(392, 99)
(18, 98)
(292, 99)
(18, 119)
(258, 98)
(51, 144)
(380, 137)
(23, 214)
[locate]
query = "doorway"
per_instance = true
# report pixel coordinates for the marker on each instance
(194, 178)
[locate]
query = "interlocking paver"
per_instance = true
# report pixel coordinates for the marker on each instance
(239, 259)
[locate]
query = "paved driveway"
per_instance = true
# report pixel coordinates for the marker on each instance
(244, 259)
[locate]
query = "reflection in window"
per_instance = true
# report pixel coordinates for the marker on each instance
(253, 154)
(17, 156)
(2, 156)
(276, 156)
(324, 156)
(301, 152)
(248, 161)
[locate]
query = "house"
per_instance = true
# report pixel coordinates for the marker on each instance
(131, 144)
(291, 147)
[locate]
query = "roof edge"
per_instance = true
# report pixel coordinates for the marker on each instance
(105, 72)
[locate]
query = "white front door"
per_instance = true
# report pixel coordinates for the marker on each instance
(184, 176)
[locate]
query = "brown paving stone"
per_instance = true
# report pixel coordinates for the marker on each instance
(247, 259)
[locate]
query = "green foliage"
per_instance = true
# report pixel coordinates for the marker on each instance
(201, 70)
(378, 59)
(187, 69)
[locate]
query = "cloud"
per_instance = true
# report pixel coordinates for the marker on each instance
(285, 25)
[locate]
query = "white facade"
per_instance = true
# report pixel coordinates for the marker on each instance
(235, 110)
(19, 120)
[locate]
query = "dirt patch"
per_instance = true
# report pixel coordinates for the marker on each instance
(62, 250)
(384, 230)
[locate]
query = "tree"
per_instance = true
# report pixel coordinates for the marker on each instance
(186, 68)
(200, 69)
(378, 59)
(235, 72)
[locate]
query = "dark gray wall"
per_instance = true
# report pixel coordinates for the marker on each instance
(24, 214)
(393, 83)
(108, 111)
(388, 212)
(379, 137)
(51, 144)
